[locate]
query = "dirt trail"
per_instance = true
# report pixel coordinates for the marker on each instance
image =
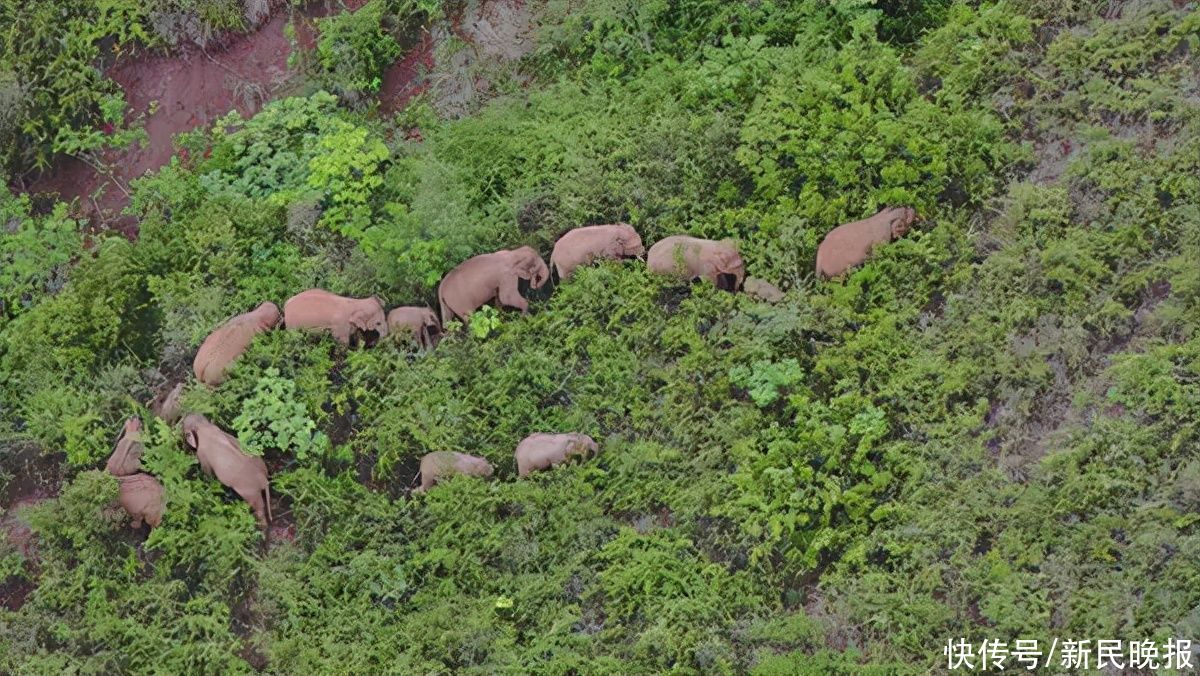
(193, 87)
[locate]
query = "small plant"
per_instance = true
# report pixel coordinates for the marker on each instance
(273, 419)
(484, 320)
(766, 380)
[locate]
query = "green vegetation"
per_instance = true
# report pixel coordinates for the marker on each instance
(987, 431)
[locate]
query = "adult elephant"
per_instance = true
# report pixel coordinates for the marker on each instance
(850, 244)
(224, 345)
(344, 317)
(491, 277)
(221, 456)
(540, 450)
(420, 322)
(692, 258)
(583, 245)
(444, 464)
(126, 458)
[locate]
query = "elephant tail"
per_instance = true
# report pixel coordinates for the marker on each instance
(267, 490)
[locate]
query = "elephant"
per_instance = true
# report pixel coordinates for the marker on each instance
(224, 345)
(166, 404)
(142, 498)
(762, 290)
(490, 277)
(220, 455)
(691, 258)
(421, 322)
(443, 464)
(850, 244)
(583, 245)
(344, 317)
(126, 458)
(542, 451)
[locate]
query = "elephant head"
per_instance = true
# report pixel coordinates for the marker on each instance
(900, 220)
(127, 456)
(728, 265)
(267, 315)
(528, 264)
(629, 242)
(368, 315)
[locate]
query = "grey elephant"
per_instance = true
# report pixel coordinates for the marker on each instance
(692, 258)
(442, 464)
(229, 340)
(344, 317)
(490, 277)
(542, 451)
(583, 245)
(126, 458)
(221, 455)
(850, 244)
(420, 322)
(141, 497)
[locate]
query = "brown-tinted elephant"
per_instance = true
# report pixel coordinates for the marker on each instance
(583, 245)
(691, 258)
(126, 458)
(224, 345)
(420, 322)
(490, 277)
(166, 404)
(762, 290)
(344, 317)
(221, 456)
(542, 451)
(443, 464)
(142, 498)
(850, 244)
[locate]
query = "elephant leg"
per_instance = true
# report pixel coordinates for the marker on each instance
(342, 333)
(137, 522)
(510, 295)
(255, 500)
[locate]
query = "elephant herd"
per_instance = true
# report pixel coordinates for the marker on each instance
(487, 278)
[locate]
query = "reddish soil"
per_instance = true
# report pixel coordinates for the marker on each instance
(182, 91)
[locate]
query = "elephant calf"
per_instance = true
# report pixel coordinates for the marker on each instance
(342, 316)
(126, 458)
(443, 464)
(166, 404)
(694, 258)
(762, 290)
(421, 322)
(850, 244)
(220, 455)
(224, 345)
(542, 451)
(490, 277)
(583, 245)
(142, 498)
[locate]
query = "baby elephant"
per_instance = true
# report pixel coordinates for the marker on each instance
(344, 317)
(583, 245)
(421, 322)
(126, 458)
(166, 404)
(850, 244)
(224, 345)
(691, 258)
(142, 498)
(762, 290)
(543, 451)
(220, 455)
(490, 277)
(444, 464)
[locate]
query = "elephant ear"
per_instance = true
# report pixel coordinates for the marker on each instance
(361, 320)
(192, 439)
